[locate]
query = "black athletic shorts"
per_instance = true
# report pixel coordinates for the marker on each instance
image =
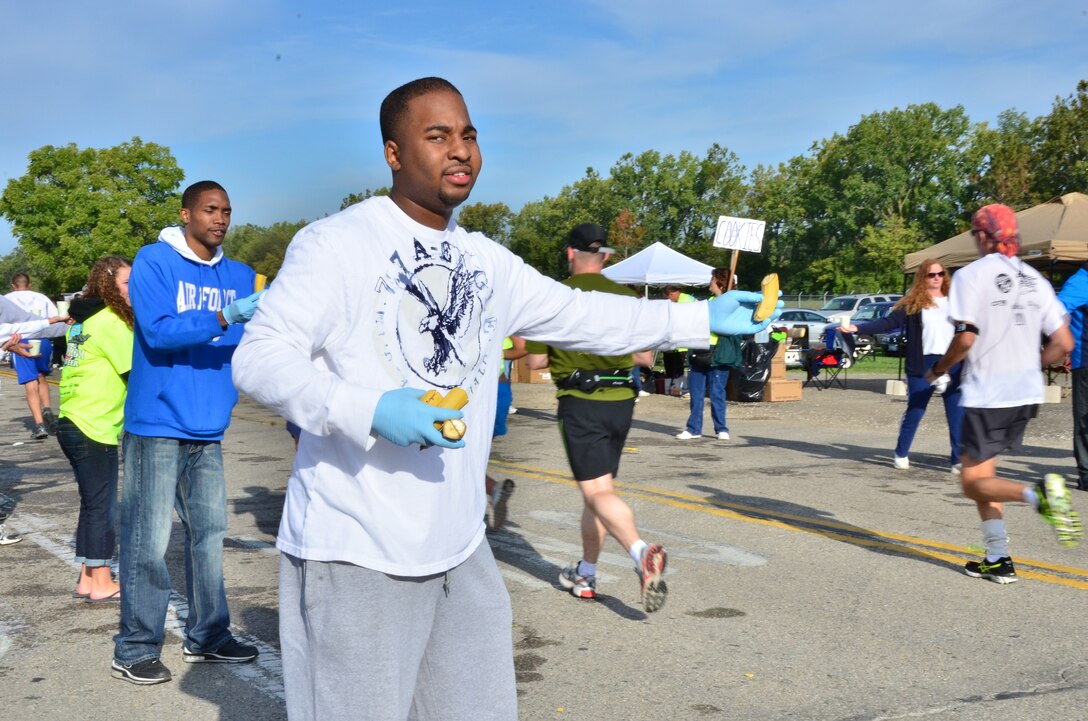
(593, 434)
(990, 431)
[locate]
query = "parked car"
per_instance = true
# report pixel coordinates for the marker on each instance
(871, 311)
(814, 320)
(843, 307)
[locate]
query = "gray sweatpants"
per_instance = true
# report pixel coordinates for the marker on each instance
(362, 645)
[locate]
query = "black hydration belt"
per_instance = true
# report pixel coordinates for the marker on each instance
(588, 381)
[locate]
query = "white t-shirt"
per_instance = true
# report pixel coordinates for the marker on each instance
(937, 328)
(1013, 307)
(367, 301)
(33, 302)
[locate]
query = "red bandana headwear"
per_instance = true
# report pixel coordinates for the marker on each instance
(999, 222)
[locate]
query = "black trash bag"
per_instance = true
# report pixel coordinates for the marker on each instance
(752, 376)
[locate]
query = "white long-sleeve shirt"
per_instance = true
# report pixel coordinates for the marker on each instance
(367, 301)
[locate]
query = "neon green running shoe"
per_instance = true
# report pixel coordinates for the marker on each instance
(1056, 508)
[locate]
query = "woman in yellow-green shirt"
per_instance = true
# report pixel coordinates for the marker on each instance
(92, 401)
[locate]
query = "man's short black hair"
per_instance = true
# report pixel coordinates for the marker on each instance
(20, 280)
(395, 104)
(189, 197)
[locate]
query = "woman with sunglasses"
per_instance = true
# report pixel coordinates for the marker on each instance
(923, 313)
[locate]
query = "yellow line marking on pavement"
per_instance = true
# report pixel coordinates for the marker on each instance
(920, 547)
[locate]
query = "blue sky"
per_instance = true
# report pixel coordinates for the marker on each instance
(278, 99)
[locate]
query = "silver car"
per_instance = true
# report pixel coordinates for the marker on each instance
(814, 320)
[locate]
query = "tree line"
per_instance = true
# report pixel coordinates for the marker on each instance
(840, 217)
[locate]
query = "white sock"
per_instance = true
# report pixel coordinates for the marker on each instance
(1031, 497)
(636, 550)
(586, 569)
(995, 539)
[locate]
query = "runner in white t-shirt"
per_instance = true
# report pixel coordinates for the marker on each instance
(32, 372)
(1001, 307)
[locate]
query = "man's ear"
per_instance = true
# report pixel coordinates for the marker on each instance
(185, 216)
(392, 155)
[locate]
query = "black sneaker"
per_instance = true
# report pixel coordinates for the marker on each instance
(142, 673)
(230, 652)
(39, 432)
(1000, 571)
(49, 420)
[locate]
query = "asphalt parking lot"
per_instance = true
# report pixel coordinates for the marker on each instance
(808, 578)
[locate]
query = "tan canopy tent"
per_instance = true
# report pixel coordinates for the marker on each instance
(1054, 232)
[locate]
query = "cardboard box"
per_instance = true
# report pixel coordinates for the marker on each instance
(778, 369)
(779, 390)
(895, 388)
(520, 373)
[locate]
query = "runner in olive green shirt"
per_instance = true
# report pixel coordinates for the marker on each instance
(596, 403)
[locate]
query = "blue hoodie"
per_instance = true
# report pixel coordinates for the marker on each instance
(1074, 296)
(180, 384)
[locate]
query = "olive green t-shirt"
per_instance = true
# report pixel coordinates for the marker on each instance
(562, 363)
(92, 389)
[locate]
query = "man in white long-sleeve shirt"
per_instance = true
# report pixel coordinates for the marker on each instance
(391, 605)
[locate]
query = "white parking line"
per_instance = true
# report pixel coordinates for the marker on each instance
(265, 674)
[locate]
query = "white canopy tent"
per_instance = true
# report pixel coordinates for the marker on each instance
(659, 265)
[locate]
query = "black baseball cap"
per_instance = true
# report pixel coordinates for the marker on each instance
(589, 238)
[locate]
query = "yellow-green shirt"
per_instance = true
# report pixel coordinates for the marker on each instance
(92, 389)
(562, 363)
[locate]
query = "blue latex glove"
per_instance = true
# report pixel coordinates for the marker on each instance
(242, 309)
(401, 418)
(731, 313)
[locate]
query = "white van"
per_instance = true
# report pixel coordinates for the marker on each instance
(842, 308)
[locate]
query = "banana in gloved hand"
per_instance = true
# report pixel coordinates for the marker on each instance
(456, 399)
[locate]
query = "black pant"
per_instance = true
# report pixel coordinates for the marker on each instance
(1080, 425)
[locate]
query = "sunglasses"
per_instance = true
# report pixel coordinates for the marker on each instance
(938, 274)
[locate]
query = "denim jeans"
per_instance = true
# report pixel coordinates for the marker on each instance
(1080, 425)
(95, 466)
(698, 380)
(163, 475)
(918, 395)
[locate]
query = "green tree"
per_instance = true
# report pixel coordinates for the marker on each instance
(1061, 159)
(360, 197)
(539, 230)
(492, 220)
(626, 236)
(910, 165)
(1004, 156)
(678, 199)
(874, 264)
(76, 205)
(261, 248)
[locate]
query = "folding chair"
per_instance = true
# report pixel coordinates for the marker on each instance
(823, 367)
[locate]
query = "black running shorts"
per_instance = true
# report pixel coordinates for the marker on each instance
(988, 432)
(593, 434)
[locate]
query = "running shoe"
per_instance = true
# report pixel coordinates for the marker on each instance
(6, 539)
(901, 464)
(49, 420)
(141, 673)
(579, 586)
(39, 432)
(1056, 508)
(230, 652)
(650, 570)
(1000, 571)
(500, 506)
(685, 435)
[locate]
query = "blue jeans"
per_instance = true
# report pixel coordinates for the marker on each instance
(95, 466)
(697, 386)
(163, 475)
(918, 395)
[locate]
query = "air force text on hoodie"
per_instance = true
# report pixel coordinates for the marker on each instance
(180, 384)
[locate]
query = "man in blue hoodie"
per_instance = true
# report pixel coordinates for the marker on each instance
(1074, 296)
(190, 302)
